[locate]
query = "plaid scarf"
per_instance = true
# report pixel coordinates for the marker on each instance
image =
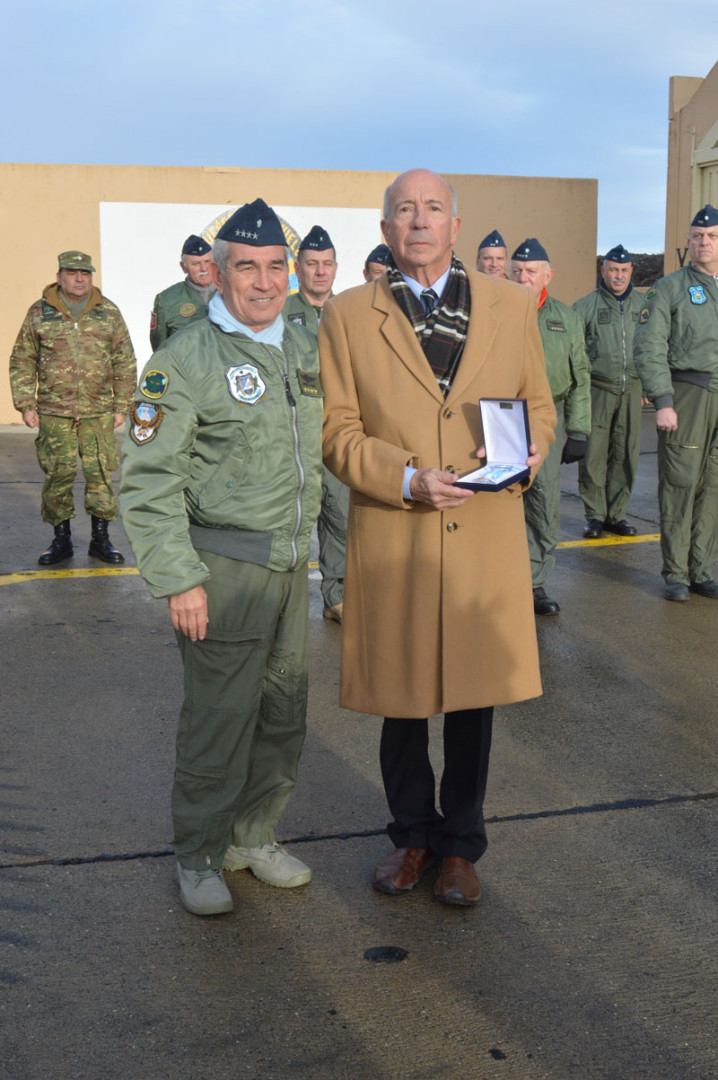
(442, 334)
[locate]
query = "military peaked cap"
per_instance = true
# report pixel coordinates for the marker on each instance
(75, 260)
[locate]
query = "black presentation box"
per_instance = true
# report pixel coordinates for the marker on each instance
(505, 422)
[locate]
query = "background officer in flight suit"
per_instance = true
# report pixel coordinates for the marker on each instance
(181, 304)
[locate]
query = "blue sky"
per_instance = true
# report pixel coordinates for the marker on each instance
(546, 89)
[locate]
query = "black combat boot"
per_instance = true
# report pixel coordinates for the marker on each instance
(61, 546)
(100, 546)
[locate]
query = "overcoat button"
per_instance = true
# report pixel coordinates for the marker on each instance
(452, 526)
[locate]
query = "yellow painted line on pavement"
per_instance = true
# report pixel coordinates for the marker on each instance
(53, 575)
(610, 541)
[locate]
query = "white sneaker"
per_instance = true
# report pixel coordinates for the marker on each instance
(270, 863)
(203, 892)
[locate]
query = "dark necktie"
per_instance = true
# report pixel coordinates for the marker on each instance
(429, 299)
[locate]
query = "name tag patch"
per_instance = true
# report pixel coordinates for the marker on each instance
(245, 383)
(145, 419)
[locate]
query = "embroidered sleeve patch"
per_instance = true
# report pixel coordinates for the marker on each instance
(145, 419)
(155, 384)
(309, 383)
(153, 321)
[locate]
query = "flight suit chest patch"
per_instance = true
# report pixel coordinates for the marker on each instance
(187, 310)
(551, 324)
(245, 384)
(309, 383)
(297, 318)
(697, 294)
(604, 315)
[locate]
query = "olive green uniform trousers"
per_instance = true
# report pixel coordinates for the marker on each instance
(59, 441)
(688, 487)
(332, 533)
(243, 719)
(542, 509)
(608, 472)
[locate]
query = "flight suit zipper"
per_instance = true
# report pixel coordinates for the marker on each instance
(291, 401)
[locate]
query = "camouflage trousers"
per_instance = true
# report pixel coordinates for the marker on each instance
(58, 444)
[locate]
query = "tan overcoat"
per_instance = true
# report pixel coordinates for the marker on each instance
(438, 610)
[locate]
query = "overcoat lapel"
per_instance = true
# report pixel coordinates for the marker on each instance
(483, 327)
(399, 335)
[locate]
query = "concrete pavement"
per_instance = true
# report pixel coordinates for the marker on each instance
(593, 953)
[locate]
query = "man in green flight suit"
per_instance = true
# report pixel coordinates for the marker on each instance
(73, 373)
(181, 304)
(607, 473)
(569, 379)
(316, 267)
(220, 490)
(676, 355)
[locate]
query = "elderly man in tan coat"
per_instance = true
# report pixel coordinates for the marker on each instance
(438, 613)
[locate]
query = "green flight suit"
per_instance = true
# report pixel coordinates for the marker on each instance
(77, 374)
(607, 473)
(334, 514)
(676, 356)
(221, 487)
(569, 379)
(174, 309)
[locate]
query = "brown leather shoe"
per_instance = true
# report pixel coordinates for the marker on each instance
(401, 870)
(457, 883)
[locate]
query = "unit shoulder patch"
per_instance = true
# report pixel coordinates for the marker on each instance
(154, 385)
(145, 419)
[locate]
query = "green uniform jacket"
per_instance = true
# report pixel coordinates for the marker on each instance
(678, 332)
(225, 431)
(299, 311)
(608, 326)
(174, 309)
(566, 363)
(76, 369)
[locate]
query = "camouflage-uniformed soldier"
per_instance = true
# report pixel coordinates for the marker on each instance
(181, 304)
(676, 355)
(569, 379)
(492, 256)
(376, 262)
(316, 269)
(73, 373)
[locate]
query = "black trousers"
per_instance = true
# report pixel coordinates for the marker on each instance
(410, 786)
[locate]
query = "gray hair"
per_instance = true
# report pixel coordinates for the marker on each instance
(389, 191)
(220, 254)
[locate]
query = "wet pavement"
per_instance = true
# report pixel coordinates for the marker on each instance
(593, 953)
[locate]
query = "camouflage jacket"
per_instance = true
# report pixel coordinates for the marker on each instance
(67, 368)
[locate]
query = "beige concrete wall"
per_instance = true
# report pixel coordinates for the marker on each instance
(51, 208)
(692, 112)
